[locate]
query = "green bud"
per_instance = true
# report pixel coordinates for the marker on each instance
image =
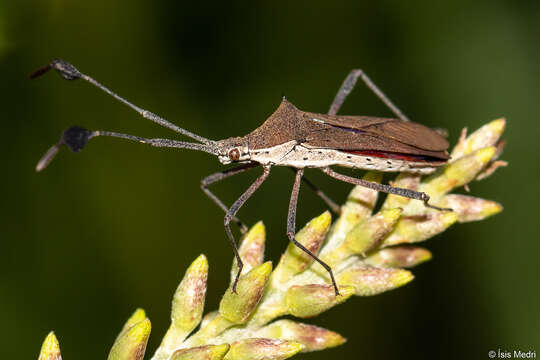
(469, 208)
(368, 234)
(208, 352)
(263, 349)
(188, 300)
(237, 307)
(50, 350)
(310, 300)
(187, 307)
(251, 249)
(137, 316)
(458, 173)
(487, 135)
(413, 229)
(312, 337)
(131, 343)
(369, 281)
(401, 256)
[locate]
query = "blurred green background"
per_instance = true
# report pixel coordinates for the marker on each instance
(114, 228)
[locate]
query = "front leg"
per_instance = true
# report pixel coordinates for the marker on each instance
(232, 212)
(213, 178)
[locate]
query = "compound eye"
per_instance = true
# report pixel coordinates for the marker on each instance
(234, 154)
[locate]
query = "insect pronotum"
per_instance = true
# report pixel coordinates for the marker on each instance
(295, 139)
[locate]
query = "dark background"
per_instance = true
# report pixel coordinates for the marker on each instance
(114, 227)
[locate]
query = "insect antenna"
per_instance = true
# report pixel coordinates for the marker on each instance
(69, 72)
(76, 137)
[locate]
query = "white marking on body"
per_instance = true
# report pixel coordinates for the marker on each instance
(318, 120)
(299, 156)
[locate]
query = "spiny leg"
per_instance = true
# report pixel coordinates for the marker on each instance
(348, 86)
(213, 178)
(411, 194)
(232, 212)
(329, 202)
(69, 72)
(291, 226)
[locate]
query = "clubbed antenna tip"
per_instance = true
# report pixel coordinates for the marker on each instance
(66, 70)
(75, 138)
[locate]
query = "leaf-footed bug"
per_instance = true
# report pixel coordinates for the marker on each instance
(295, 139)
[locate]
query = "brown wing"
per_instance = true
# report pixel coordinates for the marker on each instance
(380, 134)
(406, 132)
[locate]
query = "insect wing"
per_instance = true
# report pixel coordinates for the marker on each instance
(357, 133)
(405, 132)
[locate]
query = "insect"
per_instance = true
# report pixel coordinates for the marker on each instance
(295, 139)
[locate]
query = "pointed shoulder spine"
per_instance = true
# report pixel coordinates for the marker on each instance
(282, 126)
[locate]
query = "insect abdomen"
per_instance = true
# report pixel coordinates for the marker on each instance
(395, 155)
(300, 156)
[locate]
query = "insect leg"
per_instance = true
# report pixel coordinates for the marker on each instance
(329, 202)
(411, 194)
(213, 178)
(291, 227)
(232, 212)
(348, 86)
(69, 72)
